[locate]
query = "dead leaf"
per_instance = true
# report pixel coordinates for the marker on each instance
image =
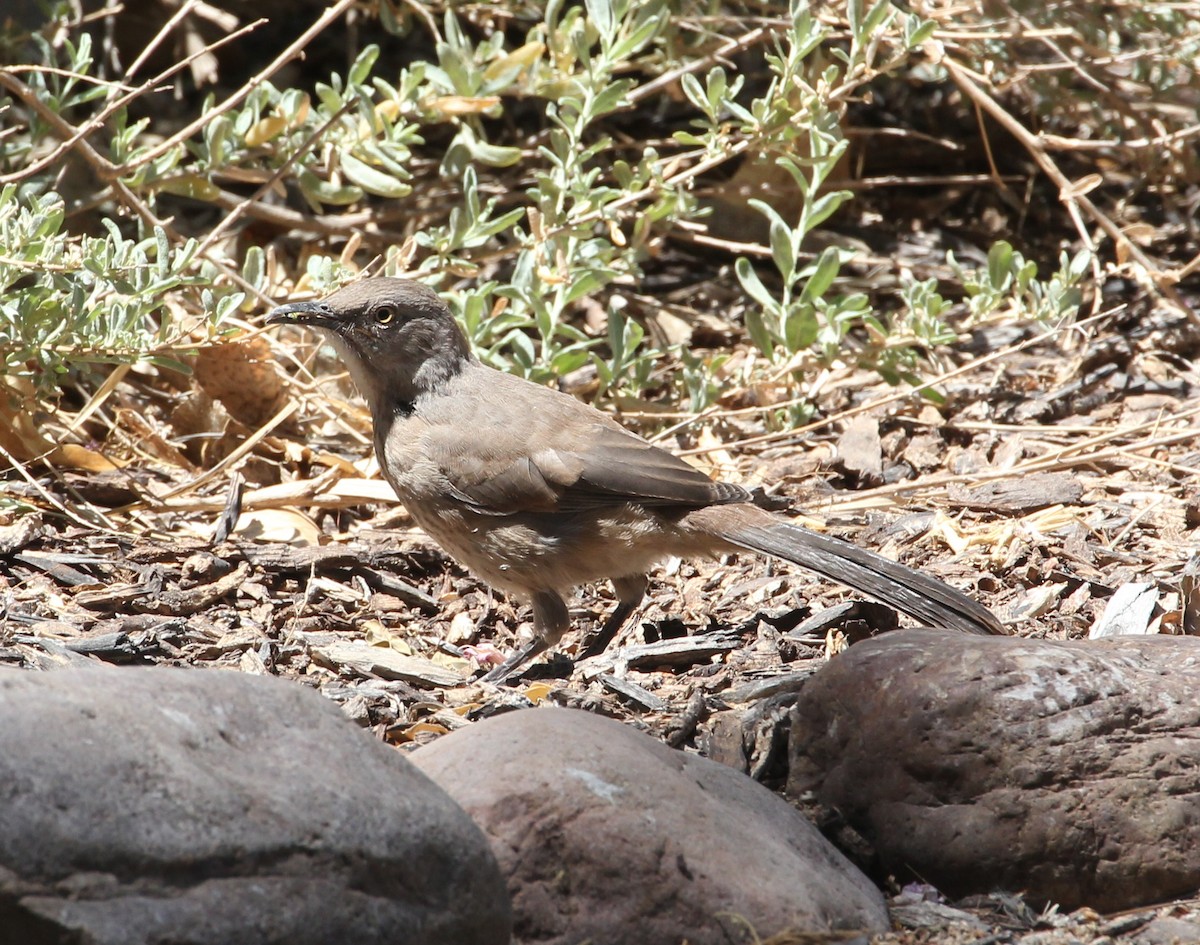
(860, 450)
(278, 525)
(536, 692)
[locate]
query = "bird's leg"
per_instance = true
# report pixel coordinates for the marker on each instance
(630, 591)
(550, 621)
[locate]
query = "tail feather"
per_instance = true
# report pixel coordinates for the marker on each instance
(921, 596)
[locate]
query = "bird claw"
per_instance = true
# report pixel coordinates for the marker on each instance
(523, 655)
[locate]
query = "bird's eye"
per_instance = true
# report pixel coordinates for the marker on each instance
(385, 315)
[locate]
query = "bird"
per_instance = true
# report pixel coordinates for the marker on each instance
(537, 492)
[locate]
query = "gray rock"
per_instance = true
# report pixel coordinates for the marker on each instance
(1067, 770)
(1167, 930)
(607, 835)
(158, 805)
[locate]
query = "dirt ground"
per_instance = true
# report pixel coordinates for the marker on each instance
(1060, 469)
(234, 518)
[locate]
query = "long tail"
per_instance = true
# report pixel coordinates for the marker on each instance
(921, 596)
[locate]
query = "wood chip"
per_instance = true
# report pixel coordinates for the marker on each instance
(634, 693)
(1019, 495)
(20, 533)
(860, 450)
(386, 663)
(686, 651)
(1189, 594)
(1128, 613)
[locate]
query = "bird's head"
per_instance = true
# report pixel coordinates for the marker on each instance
(396, 337)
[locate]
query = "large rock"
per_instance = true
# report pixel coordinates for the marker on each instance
(607, 835)
(1069, 770)
(161, 805)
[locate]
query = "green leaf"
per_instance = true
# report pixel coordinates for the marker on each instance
(600, 12)
(195, 186)
(757, 329)
(363, 65)
(783, 250)
(999, 263)
(695, 94)
(826, 270)
(824, 207)
(493, 155)
(854, 18)
(753, 285)
(318, 191)
(584, 283)
(610, 98)
(769, 212)
(878, 16)
(1079, 265)
(371, 180)
(917, 30)
(499, 224)
(800, 328)
(632, 44)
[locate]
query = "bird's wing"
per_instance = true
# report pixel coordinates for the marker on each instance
(566, 458)
(614, 467)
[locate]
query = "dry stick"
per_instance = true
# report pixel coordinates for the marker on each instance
(108, 170)
(1038, 465)
(1119, 432)
(1067, 193)
(328, 224)
(1063, 143)
(1164, 464)
(171, 23)
(1134, 521)
(64, 129)
(101, 165)
(294, 50)
(105, 170)
(211, 473)
(96, 401)
(743, 42)
(430, 22)
(41, 490)
(71, 74)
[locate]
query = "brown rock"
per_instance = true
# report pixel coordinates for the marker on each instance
(607, 835)
(1067, 770)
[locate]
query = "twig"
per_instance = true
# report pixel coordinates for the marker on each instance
(71, 137)
(294, 50)
(148, 51)
(743, 42)
(41, 490)
(1067, 192)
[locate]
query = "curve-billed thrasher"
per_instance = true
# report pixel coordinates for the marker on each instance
(537, 492)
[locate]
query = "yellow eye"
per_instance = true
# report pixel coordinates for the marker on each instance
(385, 314)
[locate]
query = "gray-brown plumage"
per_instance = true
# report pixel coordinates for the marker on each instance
(537, 492)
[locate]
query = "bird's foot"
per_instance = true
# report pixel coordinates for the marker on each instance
(522, 656)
